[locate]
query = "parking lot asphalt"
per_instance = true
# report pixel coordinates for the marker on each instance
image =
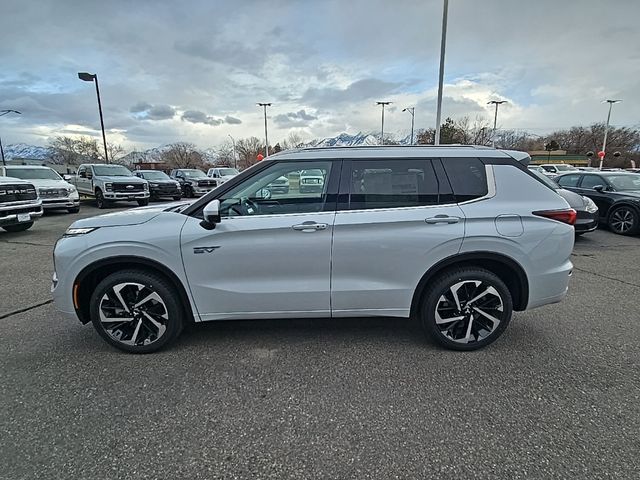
(558, 396)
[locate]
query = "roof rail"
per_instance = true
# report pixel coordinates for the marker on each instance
(364, 147)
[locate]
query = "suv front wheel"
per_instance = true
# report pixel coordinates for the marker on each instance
(466, 309)
(136, 311)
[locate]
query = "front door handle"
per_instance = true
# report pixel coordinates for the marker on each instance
(310, 227)
(442, 219)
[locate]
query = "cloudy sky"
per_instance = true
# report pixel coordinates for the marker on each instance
(193, 70)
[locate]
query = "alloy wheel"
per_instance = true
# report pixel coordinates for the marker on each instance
(622, 220)
(133, 314)
(469, 311)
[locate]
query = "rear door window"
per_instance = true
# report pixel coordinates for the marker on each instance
(569, 180)
(590, 181)
(467, 176)
(392, 184)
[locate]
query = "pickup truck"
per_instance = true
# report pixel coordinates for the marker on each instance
(20, 204)
(109, 183)
(193, 182)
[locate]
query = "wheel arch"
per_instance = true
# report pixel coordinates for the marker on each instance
(89, 277)
(510, 271)
(623, 203)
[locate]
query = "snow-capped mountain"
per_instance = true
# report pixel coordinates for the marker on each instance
(22, 150)
(345, 140)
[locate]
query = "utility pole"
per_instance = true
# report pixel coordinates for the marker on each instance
(412, 111)
(93, 77)
(443, 46)
(235, 162)
(497, 103)
(2, 114)
(606, 130)
(266, 137)
(383, 104)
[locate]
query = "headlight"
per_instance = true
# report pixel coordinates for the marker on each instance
(74, 232)
(589, 205)
(108, 187)
(154, 184)
(146, 186)
(71, 189)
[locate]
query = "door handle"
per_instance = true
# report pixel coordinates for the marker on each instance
(442, 219)
(310, 227)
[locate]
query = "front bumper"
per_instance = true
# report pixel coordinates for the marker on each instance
(282, 190)
(201, 190)
(165, 192)
(126, 196)
(9, 214)
(54, 203)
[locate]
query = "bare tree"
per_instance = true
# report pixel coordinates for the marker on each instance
(248, 150)
(182, 155)
(293, 140)
(225, 154)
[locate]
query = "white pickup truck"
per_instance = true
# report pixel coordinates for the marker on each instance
(109, 183)
(20, 204)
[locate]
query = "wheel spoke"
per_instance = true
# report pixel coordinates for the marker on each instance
(489, 290)
(116, 291)
(151, 296)
(161, 328)
(495, 321)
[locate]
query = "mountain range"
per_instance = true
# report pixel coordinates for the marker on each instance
(34, 152)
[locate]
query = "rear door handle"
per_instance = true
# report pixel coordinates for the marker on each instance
(442, 219)
(310, 227)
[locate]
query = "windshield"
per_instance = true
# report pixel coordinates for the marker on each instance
(624, 183)
(544, 179)
(228, 171)
(155, 176)
(112, 171)
(566, 168)
(194, 173)
(33, 173)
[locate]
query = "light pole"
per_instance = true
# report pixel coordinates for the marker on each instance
(497, 103)
(266, 138)
(606, 130)
(412, 111)
(235, 163)
(93, 77)
(383, 104)
(443, 45)
(2, 114)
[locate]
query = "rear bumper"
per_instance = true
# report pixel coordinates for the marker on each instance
(551, 287)
(586, 222)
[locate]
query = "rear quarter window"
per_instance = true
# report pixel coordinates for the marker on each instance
(467, 177)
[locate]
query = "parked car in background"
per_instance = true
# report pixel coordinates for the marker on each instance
(587, 211)
(443, 234)
(311, 181)
(222, 174)
(617, 195)
(553, 169)
(20, 205)
(55, 192)
(160, 184)
(193, 182)
(537, 168)
(587, 169)
(110, 183)
(280, 186)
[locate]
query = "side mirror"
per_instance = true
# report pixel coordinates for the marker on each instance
(82, 175)
(599, 188)
(211, 215)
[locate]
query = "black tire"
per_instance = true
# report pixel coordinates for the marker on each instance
(177, 198)
(101, 202)
(188, 191)
(73, 210)
(151, 283)
(439, 301)
(19, 227)
(143, 202)
(624, 220)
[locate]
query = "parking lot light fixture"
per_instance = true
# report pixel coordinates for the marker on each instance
(412, 111)
(266, 137)
(606, 130)
(2, 114)
(497, 103)
(93, 77)
(382, 104)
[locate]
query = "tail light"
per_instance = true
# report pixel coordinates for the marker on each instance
(567, 216)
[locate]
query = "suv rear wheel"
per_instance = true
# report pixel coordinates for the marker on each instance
(136, 311)
(466, 309)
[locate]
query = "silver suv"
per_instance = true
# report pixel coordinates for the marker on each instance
(458, 237)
